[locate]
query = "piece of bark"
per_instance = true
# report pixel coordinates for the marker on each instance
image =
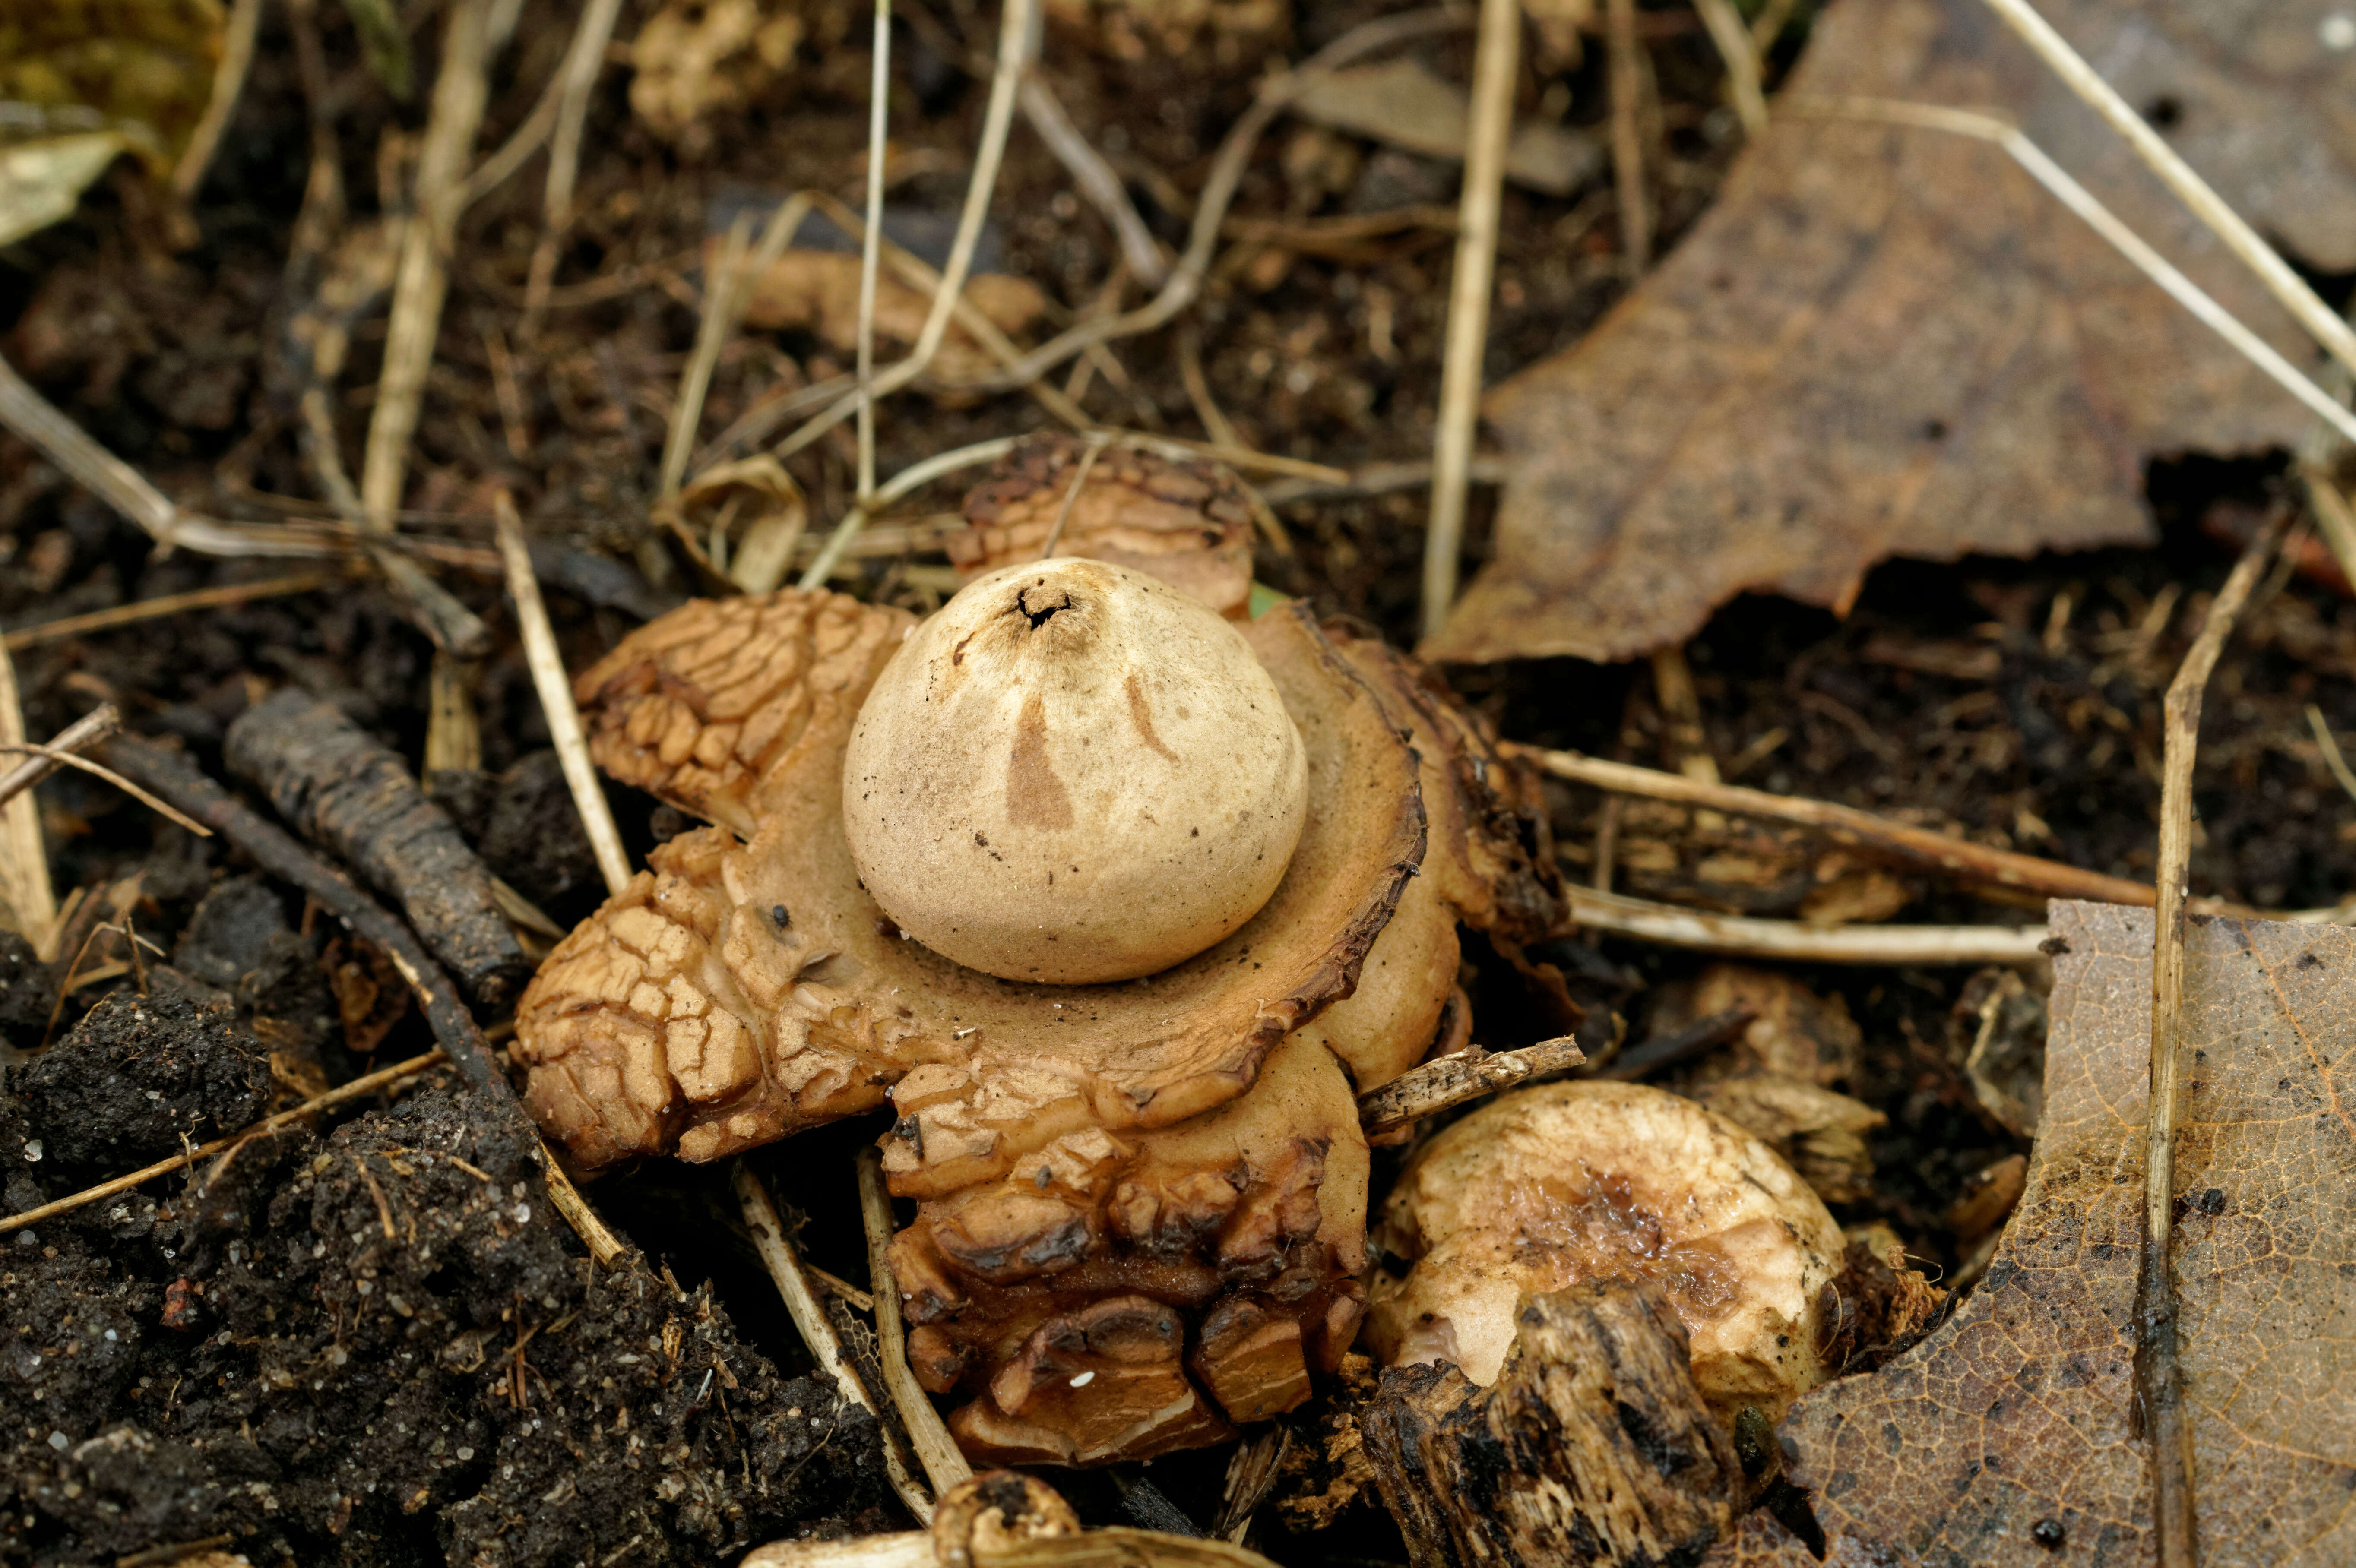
(342, 790)
(1593, 1448)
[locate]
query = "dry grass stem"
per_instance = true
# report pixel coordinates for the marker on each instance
(164, 605)
(384, 1077)
(908, 480)
(1378, 479)
(1017, 42)
(2078, 199)
(122, 487)
(1848, 825)
(945, 1465)
(423, 280)
(2159, 1386)
(1097, 180)
(60, 757)
(1796, 941)
(1227, 172)
(555, 689)
(228, 84)
(453, 730)
(24, 854)
(87, 730)
(784, 1262)
(1741, 57)
(521, 911)
(2333, 756)
(582, 60)
(1215, 423)
(1495, 63)
(918, 273)
(1769, 25)
(604, 1246)
(879, 114)
(1627, 80)
(2319, 319)
(1449, 1082)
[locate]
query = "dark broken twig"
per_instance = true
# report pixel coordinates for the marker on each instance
(1449, 1082)
(279, 853)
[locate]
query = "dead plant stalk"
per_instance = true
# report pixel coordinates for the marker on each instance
(2159, 1385)
(792, 1275)
(555, 689)
(945, 1465)
(1920, 845)
(24, 853)
(1795, 942)
(1496, 59)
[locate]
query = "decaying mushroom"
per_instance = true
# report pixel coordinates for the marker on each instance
(1547, 1187)
(1141, 1204)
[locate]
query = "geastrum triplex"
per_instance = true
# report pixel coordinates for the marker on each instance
(1117, 901)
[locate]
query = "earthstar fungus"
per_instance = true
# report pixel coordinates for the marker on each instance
(1141, 1204)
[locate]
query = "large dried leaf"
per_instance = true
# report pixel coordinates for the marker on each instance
(1890, 341)
(2016, 1414)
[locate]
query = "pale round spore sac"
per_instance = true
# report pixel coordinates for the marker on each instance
(1073, 773)
(1548, 1187)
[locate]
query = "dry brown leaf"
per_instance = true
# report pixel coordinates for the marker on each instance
(1890, 341)
(2014, 1417)
(817, 292)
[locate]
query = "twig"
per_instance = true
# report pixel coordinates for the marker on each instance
(164, 605)
(582, 60)
(1792, 939)
(369, 1084)
(1495, 61)
(879, 113)
(2078, 199)
(2332, 758)
(59, 756)
(87, 730)
(1444, 1084)
(454, 730)
(1847, 824)
(1627, 81)
(727, 288)
(1769, 25)
(2159, 1385)
(1228, 168)
(122, 487)
(24, 854)
(1668, 1050)
(423, 278)
(1079, 476)
(1017, 44)
(278, 852)
(1741, 57)
(555, 689)
(1215, 423)
(1380, 479)
(1096, 179)
(914, 476)
(2320, 320)
(944, 1464)
(229, 82)
(784, 1262)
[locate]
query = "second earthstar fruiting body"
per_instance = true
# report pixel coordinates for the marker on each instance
(1074, 774)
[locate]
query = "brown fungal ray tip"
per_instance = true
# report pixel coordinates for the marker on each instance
(1185, 522)
(1141, 1205)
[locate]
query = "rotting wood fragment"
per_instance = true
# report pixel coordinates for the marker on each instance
(342, 790)
(1593, 1448)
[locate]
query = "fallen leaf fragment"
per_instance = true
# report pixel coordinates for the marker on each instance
(1890, 341)
(1402, 103)
(2007, 1433)
(817, 292)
